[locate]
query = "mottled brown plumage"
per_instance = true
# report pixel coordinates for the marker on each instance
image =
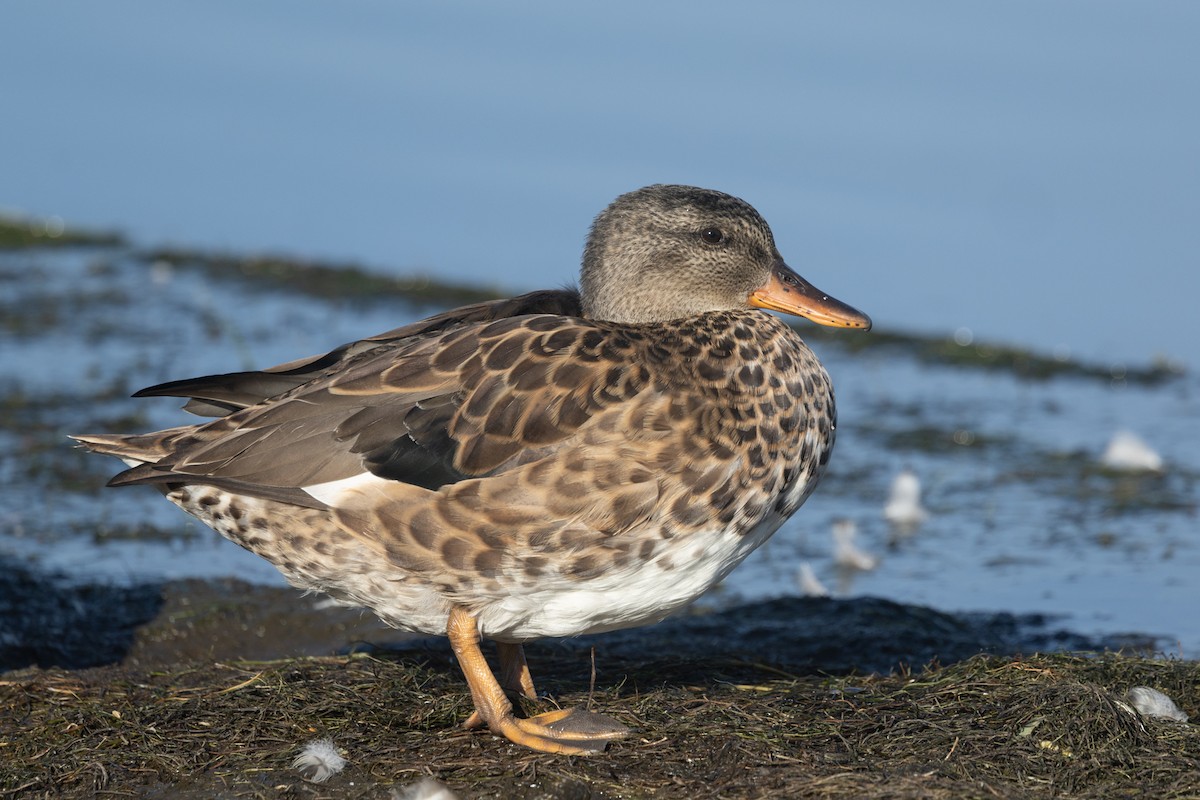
(554, 464)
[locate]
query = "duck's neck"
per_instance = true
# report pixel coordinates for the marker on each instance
(744, 352)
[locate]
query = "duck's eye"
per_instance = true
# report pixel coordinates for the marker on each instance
(712, 235)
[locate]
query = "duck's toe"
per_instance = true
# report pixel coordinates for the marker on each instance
(574, 723)
(567, 732)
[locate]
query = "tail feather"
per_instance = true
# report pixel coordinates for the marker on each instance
(219, 395)
(139, 448)
(142, 452)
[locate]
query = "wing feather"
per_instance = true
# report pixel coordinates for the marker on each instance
(464, 394)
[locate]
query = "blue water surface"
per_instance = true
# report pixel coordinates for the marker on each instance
(1023, 172)
(1026, 170)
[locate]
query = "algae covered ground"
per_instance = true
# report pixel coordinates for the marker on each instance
(759, 701)
(1042, 726)
(144, 657)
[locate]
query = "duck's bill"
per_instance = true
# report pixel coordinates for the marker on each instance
(787, 292)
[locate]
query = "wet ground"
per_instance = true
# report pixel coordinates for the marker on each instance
(51, 621)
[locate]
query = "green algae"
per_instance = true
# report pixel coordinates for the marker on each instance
(18, 233)
(346, 281)
(1025, 363)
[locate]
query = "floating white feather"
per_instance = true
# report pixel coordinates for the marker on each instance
(846, 552)
(810, 585)
(903, 507)
(1128, 452)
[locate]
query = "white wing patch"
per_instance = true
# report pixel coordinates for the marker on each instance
(339, 493)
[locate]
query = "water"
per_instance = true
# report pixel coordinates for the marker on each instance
(1025, 170)
(1022, 172)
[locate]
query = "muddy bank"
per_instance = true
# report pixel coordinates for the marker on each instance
(48, 621)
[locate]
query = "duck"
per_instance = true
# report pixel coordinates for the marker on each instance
(558, 463)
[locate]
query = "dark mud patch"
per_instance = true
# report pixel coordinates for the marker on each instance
(1086, 482)
(47, 620)
(38, 452)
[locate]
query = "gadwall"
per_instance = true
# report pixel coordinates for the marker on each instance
(559, 463)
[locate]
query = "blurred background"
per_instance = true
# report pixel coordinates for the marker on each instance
(1024, 173)
(1025, 170)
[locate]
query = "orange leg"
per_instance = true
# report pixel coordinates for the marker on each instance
(514, 670)
(569, 731)
(514, 678)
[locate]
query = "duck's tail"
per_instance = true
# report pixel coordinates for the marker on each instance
(133, 449)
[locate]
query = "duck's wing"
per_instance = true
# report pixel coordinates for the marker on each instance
(218, 395)
(424, 405)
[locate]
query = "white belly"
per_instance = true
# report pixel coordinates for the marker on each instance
(642, 593)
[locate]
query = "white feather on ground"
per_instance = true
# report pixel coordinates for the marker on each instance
(1153, 703)
(1127, 451)
(319, 761)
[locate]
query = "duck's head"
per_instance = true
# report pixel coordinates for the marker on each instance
(667, 252)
